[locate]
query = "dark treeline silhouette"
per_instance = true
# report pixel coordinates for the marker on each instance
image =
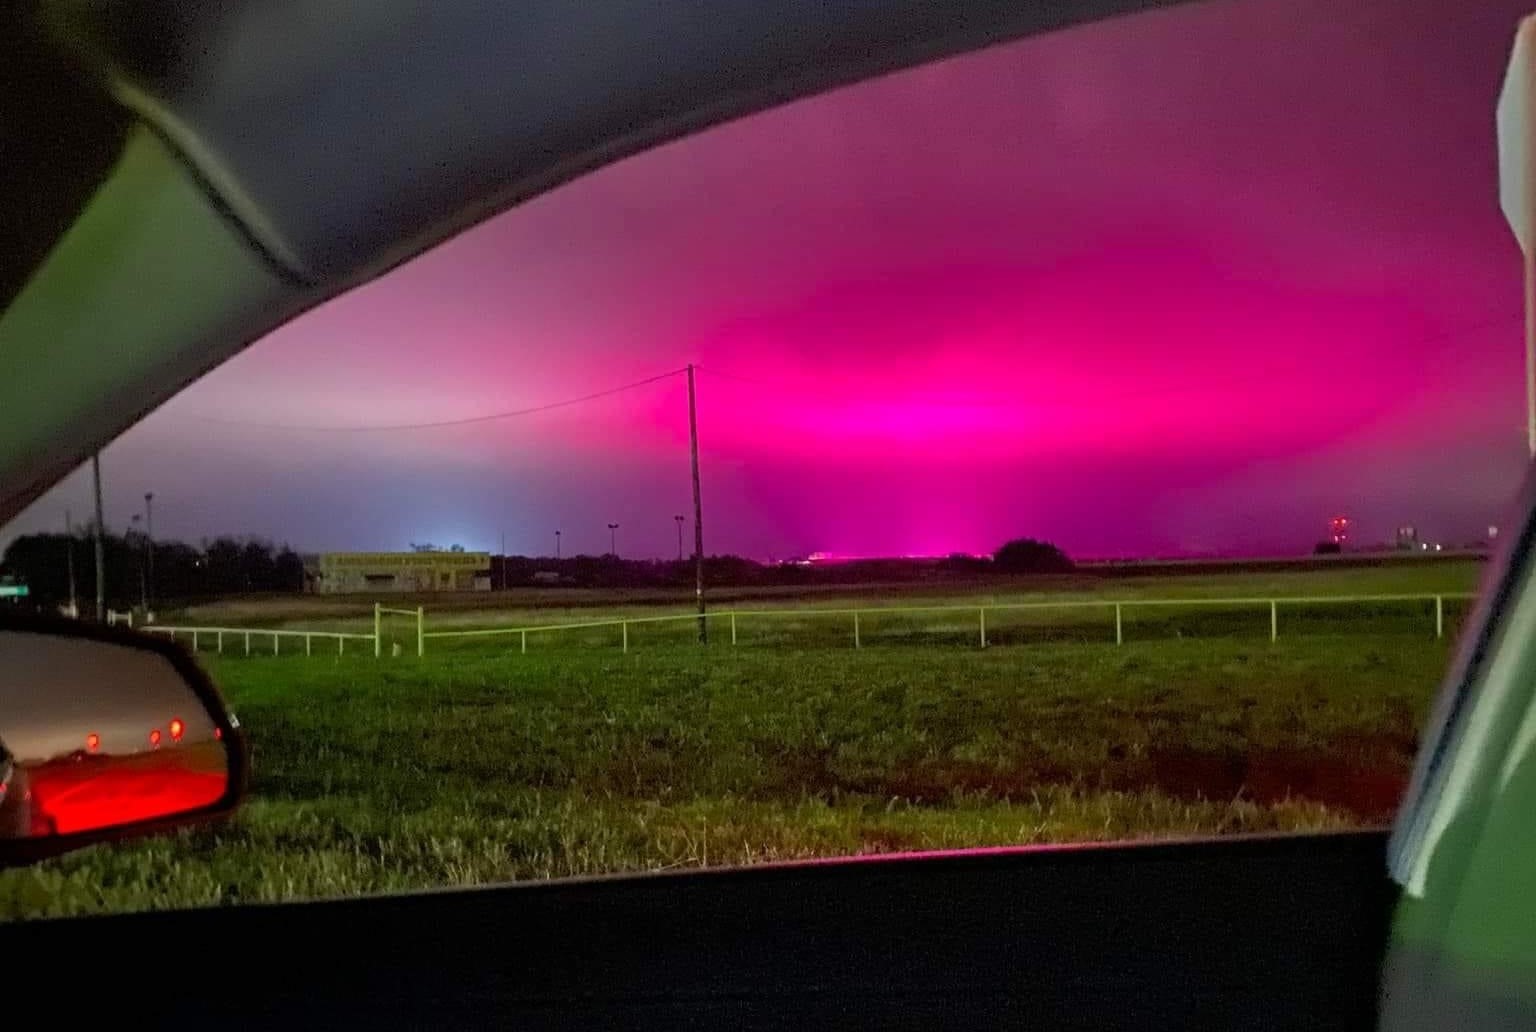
(223, 566)
(609, 571)
(1026, 555)
(236, 566)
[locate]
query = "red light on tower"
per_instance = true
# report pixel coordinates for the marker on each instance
(177, 729)
(1338, 529)
(92, 742)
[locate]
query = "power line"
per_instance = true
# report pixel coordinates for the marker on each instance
(439, 424)
(821, 383)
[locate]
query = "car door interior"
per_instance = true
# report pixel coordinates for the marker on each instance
(1282, 932)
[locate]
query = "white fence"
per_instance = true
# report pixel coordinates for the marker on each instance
(730, 621)
(858, 617)
(239, 637)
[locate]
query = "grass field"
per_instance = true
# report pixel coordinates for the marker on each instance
(482, 765)
(1079, 608)
(557, 605)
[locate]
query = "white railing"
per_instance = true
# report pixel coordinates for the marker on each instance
(244, 634)
(857, 617)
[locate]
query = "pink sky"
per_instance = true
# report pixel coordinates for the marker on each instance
(1190, 281)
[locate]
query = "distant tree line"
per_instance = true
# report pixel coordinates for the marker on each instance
(223, 566)
(1023, 556)
(236, 566)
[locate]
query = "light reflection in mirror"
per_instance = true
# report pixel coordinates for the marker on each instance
(98, 735)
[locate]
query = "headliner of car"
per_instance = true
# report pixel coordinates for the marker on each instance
(333, 140)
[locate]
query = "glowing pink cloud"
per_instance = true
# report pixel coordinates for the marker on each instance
(1189, 281)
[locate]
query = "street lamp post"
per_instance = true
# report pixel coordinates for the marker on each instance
(557, 544)
(679, 520)
(98, 528)
(69, 543)
(613, 540)
(149, 550)
(143, 583)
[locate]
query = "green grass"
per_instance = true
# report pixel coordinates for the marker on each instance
(816, 620)
(526, 607)
(478, 767)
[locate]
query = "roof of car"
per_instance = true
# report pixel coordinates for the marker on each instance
(265, 157)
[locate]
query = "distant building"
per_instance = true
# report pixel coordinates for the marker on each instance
(1408, 538)
(338, 573)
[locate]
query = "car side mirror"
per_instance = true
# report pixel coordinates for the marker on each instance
(106, 734)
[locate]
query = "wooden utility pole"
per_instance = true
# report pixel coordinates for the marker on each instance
(149, 553)
(69, 544)
(101, 552)
(698, 508)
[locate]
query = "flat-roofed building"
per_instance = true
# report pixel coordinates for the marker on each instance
(338, 573)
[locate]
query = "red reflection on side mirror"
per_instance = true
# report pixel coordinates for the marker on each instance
(105, 791)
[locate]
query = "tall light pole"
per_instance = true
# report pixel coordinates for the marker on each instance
(143, 588)
(149, 550)
(698, 507)
(679, 520)
(613, 540)
(69, 545)
(143, 583)
(101, 551)
(557, 544)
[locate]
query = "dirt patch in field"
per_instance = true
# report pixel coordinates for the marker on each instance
(1369, 786)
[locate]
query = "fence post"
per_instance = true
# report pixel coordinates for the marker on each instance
(856, 642)
(378, 637)
(421, 631)
(733, 627)
(983, 612)
(624, 630)
(220, 641)
(1274, 620)
(1439, 616)
(274, 643)
(1119, 629)
(525, 642)
(247, 643)
(194, 639)
(308, 645)
(341, 645)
